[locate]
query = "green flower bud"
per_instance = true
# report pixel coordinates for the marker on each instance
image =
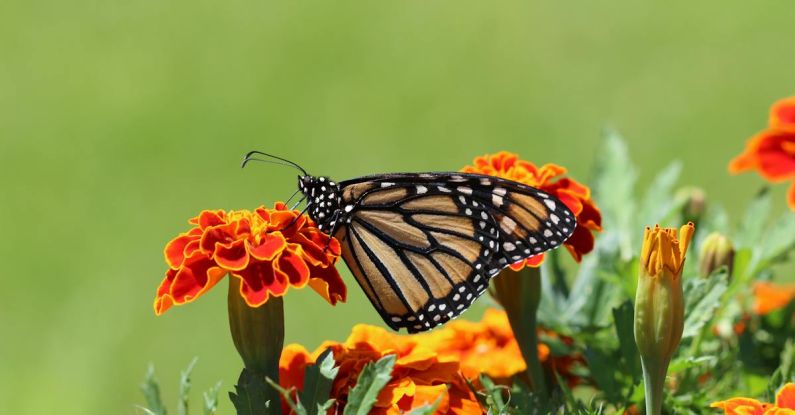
(659, 306)
(716, 251)
(694, 203)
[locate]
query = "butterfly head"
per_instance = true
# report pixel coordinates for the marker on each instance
(322, 199)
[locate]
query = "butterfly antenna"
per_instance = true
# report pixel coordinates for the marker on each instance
(292, 196)
(284, 162)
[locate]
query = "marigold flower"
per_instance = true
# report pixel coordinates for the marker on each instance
(490, 347)
(268, 250)
(772, 151)
(785, 404)
(549, 178)
(420, 375)
(659, 306)
(769, 297)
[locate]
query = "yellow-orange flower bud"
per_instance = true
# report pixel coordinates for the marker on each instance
(659, 306)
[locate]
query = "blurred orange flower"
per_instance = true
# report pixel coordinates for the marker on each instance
(489, 347)
(420, 375)
(551, 179)
(785, 404)
(772, 151)
(269, 250)
(769, 297)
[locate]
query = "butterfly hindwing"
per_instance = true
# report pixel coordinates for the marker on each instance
(424, 246)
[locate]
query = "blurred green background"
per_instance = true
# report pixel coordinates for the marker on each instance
(120, 120)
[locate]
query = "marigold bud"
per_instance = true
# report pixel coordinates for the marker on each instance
(716, 251)
(694, 203)
(659, 306)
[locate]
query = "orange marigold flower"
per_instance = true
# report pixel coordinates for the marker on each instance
(269, 250)
(785, 404)
(420, 375)
(772, 151)
(551, 179)
(490, 347)
(769, 297)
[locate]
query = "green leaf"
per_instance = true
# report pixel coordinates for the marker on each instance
(151, 391)
(184, 388)
(613, 190)
(287, 395)
(785, 371)
(603, 368)
(317, 382)
(779, 240)
(493, 393)
(702, 299)
(324, 407)
(211, 399)
(250, 398)
(681, 364)
(427, 409)
(373, 378)
(624, 317)
(753, 224)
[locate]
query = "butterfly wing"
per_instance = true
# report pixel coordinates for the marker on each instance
(424, 246)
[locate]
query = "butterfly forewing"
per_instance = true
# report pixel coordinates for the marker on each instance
(424, 246)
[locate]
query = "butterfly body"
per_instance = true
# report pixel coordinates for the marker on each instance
(423, 246)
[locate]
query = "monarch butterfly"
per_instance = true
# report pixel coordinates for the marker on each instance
(423, 246)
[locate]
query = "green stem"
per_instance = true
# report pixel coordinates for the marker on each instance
(654, 383)
(520, 293)
(258, 335)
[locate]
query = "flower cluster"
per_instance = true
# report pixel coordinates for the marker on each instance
(772, 151)
(269, 250)
(420, 375)
(551, 179)
(489, 347)
(785, 404)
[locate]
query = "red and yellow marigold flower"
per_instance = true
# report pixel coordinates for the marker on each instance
(771, 152)
(268, 250)
(785, 404)
(490, 347)
(420, 375)
(769, 296)
(551, 179)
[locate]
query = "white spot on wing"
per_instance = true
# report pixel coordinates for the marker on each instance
(387, 184)
(500, 191)
(550, 203)
(421, 189)
(555, 218)
(496, 200)
(465, 190)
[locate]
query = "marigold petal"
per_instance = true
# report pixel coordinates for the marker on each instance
(232, 256)
(294, 359)
(208, 218)
(741, 406)
(580, 243)
(428, 395)
(294, 267)
(188, 283)
(328, 283)
(791, 196)
(785, 398)
(782, 113)
(270, 245)
(394, 391)
(175, 251)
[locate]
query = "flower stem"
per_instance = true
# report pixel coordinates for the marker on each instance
(654, 384)
(258, 335)
(520, 293)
